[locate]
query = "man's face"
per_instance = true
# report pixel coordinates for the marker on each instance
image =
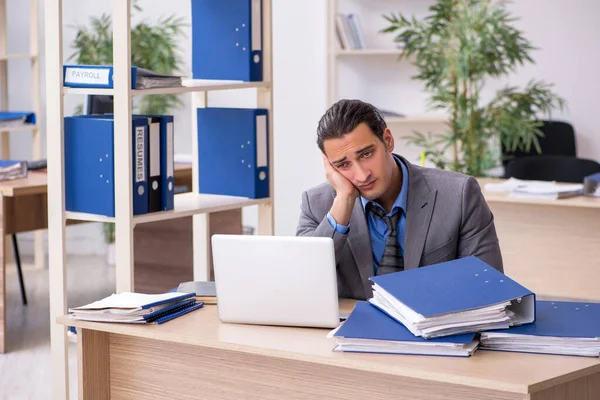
(363, 159)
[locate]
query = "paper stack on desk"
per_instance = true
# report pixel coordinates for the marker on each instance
(460, 296)
(368, 329)
(561, 327)
(550, 191)
(545, 190)
(137, 308)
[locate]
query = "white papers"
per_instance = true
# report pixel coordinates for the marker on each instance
(126, 307)
(393, 347)
(496, 316)
(589, 347)
(535, 189)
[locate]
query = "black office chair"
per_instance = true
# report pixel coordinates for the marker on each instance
(551, 168)
(558, 140)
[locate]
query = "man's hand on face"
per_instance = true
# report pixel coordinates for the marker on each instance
(343, 187)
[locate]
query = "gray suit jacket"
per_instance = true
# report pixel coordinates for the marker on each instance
(446, 218)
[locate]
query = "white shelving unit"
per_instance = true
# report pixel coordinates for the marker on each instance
(34, 82)
(351, 72)
(189, 204)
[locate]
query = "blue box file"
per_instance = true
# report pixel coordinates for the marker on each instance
(233, 151)
(89, 165)
(227, 40)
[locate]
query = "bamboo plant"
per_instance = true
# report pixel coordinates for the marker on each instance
(457, 47)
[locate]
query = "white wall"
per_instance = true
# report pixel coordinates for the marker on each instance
(299, 35)
(564, 33)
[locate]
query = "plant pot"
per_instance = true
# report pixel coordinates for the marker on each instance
(110, 253)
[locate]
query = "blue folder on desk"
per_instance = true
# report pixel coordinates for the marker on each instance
(227, 40)
(561, 327)
(89, 164)
(233, 151)
(458, 296)
(137, 308)
(370, 330)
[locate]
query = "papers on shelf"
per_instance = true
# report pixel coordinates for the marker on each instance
(10, 170)
(535, 189)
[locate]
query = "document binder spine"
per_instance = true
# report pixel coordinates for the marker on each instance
(167, 168)
(169, 309)
(179, 313)
(140, 167)
(154, 161)
(256, 64)
(93, 76)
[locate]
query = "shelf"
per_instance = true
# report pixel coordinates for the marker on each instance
(18, 56)
(369, 52)
(200, 86)
(418, 119)
(186, 204)
(24, 127)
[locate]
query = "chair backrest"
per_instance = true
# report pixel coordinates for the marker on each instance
(558, 140)
(552, 168)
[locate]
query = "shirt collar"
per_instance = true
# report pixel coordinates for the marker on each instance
(402, 198)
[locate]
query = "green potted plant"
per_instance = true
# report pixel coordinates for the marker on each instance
(456, 49)
(153, 46)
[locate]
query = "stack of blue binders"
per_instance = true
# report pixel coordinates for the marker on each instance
(233, 148)
(89, 164)
(456, 307)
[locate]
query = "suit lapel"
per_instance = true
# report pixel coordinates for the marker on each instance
(421, 201)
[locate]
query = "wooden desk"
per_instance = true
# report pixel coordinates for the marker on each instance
(23, 208)
(550, 246)
(196, 356)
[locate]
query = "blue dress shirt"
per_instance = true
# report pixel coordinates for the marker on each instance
(377, 227)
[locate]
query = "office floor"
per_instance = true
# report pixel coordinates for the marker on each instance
(25, 371)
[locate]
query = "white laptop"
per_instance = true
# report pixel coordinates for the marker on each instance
(276, 280)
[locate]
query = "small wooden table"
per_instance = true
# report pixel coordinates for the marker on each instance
(550, 246)
(196, 356)
(23, 208)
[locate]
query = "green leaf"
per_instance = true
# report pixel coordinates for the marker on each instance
(456, 48)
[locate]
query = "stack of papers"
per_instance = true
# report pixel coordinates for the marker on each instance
(146, 79)
(137, 308)
(13, 169)
(563, 328)
(368, 329)
(544, 190)
(451, 298)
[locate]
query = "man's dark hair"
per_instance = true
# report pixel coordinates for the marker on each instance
(344, 116)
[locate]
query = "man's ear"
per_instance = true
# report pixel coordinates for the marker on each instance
(388, 139)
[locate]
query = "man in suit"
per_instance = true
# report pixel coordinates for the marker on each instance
(385, 214)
